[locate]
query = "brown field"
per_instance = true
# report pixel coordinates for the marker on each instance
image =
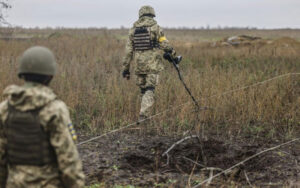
(90, 82)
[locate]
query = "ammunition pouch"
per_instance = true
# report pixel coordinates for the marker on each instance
(142, 39)
(27, 142)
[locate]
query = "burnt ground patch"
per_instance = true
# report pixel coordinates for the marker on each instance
(130, 158)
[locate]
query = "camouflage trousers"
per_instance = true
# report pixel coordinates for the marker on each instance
(147, 84)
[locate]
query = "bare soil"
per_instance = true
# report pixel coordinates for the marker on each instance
(131, 158)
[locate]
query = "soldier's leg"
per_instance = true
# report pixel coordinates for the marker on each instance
(141, 82)
(148, 96)
(147, 102)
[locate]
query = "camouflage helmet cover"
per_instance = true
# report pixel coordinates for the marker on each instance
(146, 10)
(37, 60)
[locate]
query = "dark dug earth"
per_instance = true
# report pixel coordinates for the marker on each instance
(135, 159)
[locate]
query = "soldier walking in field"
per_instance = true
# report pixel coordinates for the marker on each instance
(37, 146)
(146, 39)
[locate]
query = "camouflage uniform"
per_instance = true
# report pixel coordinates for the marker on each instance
(54, 118)
(65, 170)
(148, 61)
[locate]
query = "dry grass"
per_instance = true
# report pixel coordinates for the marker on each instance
(89, 80)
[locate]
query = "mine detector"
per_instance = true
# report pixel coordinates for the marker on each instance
(175, 62)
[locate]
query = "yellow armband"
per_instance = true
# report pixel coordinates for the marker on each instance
(72, 131)
(161, 39)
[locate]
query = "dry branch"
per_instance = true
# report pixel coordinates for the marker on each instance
(242, 162)
(247, 178)
(191, 175)
(194, 162)
(175, 144)
(204, 167)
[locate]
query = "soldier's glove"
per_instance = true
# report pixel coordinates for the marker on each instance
(169, 57)
(126, 74)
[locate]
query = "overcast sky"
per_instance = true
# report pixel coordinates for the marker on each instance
(170, 13)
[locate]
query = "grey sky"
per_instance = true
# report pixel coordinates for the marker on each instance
(170, 13)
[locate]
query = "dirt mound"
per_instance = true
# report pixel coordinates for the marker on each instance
(135, 160)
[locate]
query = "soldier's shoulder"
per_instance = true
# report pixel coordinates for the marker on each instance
(10, 89)
(54, 109)
(3, 110)
(6, 91)
(131, 31)
(56, 105)
(3, 106)
(155, 27)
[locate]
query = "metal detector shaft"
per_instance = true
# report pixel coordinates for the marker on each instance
(185, 86)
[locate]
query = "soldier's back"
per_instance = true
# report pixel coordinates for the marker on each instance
(23, 104)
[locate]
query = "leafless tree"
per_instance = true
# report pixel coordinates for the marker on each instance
(4, 5)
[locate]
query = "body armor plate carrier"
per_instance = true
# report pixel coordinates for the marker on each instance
(27, 142)
(142, 39)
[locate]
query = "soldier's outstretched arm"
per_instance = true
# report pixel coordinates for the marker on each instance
(61, 134)
(128, 51)
(164, 43)
(3, 160)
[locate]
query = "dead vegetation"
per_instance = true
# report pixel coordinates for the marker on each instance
(89, 81)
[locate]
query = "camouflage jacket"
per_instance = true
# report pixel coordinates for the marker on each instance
(54, 118)
(149, 61)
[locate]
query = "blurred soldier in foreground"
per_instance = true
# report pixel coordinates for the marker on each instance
(146, 38)
(37, 146)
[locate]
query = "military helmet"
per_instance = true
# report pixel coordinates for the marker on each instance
(146, 10)
(37, 60)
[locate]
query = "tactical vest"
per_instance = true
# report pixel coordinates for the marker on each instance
(27, 142)
(142, 39)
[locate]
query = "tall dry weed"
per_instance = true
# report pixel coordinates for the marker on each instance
(90, 82)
